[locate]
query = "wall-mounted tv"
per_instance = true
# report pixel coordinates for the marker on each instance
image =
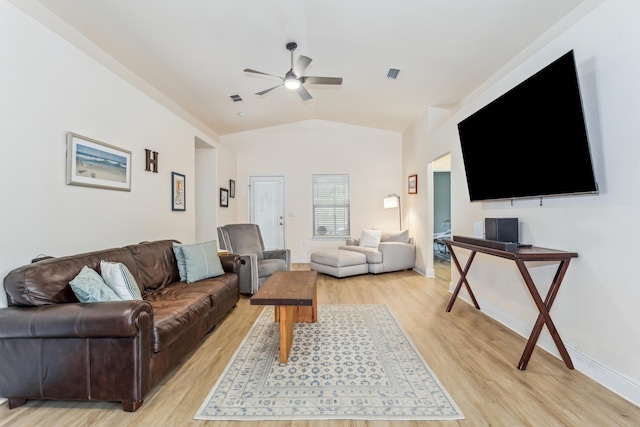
(531, 141)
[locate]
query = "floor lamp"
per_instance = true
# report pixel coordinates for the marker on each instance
(393, 201)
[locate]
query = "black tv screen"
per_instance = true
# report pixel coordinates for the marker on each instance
(531, 141)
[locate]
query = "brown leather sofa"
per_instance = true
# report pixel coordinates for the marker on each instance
(53, 347)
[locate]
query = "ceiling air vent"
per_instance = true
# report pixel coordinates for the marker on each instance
(393, 73)
(235, 98)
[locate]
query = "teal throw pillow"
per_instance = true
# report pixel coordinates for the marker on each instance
(202, 261)
(182, 265)
(118, 277)
(89, 287)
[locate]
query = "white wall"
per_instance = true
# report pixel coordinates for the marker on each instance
(371, 157)
(596, 309)
(49, 87)
(206, 185)
(227, 170)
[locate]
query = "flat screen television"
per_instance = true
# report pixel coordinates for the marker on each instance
(531, 141)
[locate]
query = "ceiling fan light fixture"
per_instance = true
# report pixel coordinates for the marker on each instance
(291, 81)
(292, 84)
(294, 79)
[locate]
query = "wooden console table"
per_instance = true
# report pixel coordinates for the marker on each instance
(520, 256)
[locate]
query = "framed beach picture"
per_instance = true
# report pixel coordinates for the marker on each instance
(178, 202)
(92, 163)
(224, 198)
(413, 184)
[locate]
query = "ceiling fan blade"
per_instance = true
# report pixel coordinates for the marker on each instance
(249, 70)
(264, 92)
(304, 94)
(322, 80)
(301, 64)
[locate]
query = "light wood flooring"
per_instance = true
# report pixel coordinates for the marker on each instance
(473, 356)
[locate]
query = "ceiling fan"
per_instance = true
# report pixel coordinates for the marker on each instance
(294, 79)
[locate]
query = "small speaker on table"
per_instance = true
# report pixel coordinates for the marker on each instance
(501, 229)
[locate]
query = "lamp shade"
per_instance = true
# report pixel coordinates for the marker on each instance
(390, 202)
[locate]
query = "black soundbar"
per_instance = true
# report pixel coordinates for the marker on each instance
(493, 244)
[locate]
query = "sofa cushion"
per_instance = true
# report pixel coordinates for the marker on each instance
(246, 239)
(374, 256)
(401, 236)
(89, 286)
(202, 261)
(176, 309)
(47, 282)
(370, 238)
(267, 267)
(156, 264)
(338, 258)
(118, 277)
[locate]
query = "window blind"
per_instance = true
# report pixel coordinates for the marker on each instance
(331, 206)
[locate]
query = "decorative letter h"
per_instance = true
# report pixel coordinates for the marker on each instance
(152, 159)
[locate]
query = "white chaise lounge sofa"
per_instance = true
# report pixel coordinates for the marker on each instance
(375, 252)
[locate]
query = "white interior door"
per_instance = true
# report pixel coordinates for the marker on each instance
(266, 208)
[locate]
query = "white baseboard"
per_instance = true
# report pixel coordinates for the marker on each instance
(623, 386)
(425, 273)
(2, 400)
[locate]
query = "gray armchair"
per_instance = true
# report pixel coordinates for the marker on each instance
(257, 264)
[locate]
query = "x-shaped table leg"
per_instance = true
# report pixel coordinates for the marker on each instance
(543, 316)
(463, 279)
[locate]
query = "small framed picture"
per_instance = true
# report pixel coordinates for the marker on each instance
(224, 198)
(413, 184)
(178, 202)
(232, 189)
(92, 163)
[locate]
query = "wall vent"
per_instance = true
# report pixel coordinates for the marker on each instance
(393, 73)
(235, 98)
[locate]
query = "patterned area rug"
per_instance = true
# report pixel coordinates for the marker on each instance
(355, 363)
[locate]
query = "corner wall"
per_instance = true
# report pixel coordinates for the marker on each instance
(50, 87)
(371, 157)
(596, 309)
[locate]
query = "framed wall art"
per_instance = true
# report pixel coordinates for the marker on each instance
(178, 192)
(232, 188)
(413, 184)
(91, 163)
(224, 198)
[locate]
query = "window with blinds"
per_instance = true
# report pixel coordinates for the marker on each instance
(331, 206)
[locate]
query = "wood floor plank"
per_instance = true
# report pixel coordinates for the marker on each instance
(472, 355)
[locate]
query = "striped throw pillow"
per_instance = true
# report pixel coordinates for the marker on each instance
(118, 277)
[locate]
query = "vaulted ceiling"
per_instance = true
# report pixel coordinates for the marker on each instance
(195, 51)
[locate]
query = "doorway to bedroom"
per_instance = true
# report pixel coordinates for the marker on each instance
(441, 216)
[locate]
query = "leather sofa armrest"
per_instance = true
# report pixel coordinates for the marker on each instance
(75, 320)
(230, 263)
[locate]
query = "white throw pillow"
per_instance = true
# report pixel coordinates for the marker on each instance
(370, 238)
(118, 277)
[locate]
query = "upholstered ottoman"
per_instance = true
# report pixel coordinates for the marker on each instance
(339, 263)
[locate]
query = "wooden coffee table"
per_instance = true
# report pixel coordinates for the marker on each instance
(294, 297)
